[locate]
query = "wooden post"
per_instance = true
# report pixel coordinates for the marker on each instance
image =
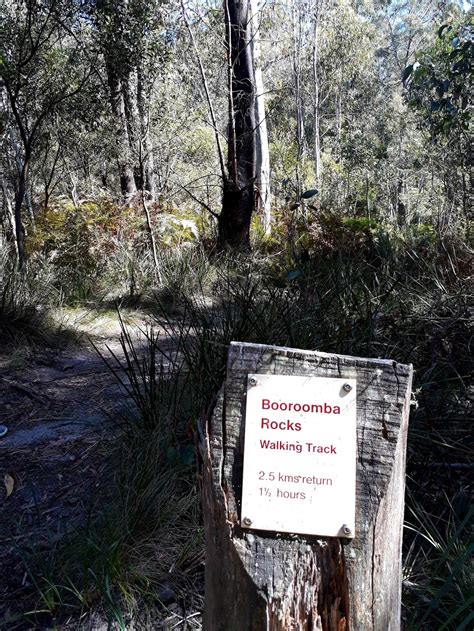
(259, 580)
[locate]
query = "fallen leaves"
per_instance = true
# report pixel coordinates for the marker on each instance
(9, 484)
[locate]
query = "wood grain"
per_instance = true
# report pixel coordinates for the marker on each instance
(272, 581)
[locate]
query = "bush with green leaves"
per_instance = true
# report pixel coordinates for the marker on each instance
(440, 80)
(76, 241)
(100, 250)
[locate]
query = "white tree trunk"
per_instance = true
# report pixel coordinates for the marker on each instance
(299, 109)
(317, 131)
(262, 158)
(9, 216)
(147, 162)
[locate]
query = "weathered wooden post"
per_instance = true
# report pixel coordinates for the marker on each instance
(309, 443)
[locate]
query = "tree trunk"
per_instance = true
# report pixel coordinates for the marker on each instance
(299, 109)
(132, 116)
(9, 218)
(270, 581)
(127, 179)
(262, 154)
(146, 152)
(317, 130)
(338, 114)
(19, 199)
(19, 161)
(152, 239)
(400, 209)
(238, 202)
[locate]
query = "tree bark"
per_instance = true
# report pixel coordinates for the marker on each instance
(238, 202)
(9, 218)
(146, 147)
(316, 80)
(20, 194)
(267, 581)
(299, 107)
(117, 104)
(338, 115)
(262, 154)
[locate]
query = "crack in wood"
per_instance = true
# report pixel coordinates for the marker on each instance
(265, 581)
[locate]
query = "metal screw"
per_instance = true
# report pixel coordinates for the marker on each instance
(347, 387)
(252, 381)
(247, 521)
(346, 530)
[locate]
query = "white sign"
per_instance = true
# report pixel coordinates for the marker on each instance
(300, 455)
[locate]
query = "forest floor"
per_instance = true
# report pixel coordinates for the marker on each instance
(61, 406)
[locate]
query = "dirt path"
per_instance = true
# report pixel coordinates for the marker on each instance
(59, 407)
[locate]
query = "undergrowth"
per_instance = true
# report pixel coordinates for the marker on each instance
(142, 545)
(410, 306)
(27, 299)
(407, 302)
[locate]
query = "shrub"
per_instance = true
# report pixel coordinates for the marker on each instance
(76, 242)
(26, 298)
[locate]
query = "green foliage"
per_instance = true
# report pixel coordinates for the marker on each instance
(77, 241)
(199, 145)
(440, 80)
(99, 250)
(284, 161)
(40, 75)
(440, 577)
(174, 232)
(334, 304)
(132, 34)
(305, 232)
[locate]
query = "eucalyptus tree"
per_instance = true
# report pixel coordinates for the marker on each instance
(439, 89)
(110, 18)
(318, 9)
(42, 67)
(323, 85)
(238, 199)
(262, 157)
(244, 171)
(132, 40)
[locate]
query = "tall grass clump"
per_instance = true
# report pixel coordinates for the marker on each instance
(140, 549)
(131, 276)
(401, 299)
(27, 298)
(128, 276)
(142, 545)
(438, 581)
